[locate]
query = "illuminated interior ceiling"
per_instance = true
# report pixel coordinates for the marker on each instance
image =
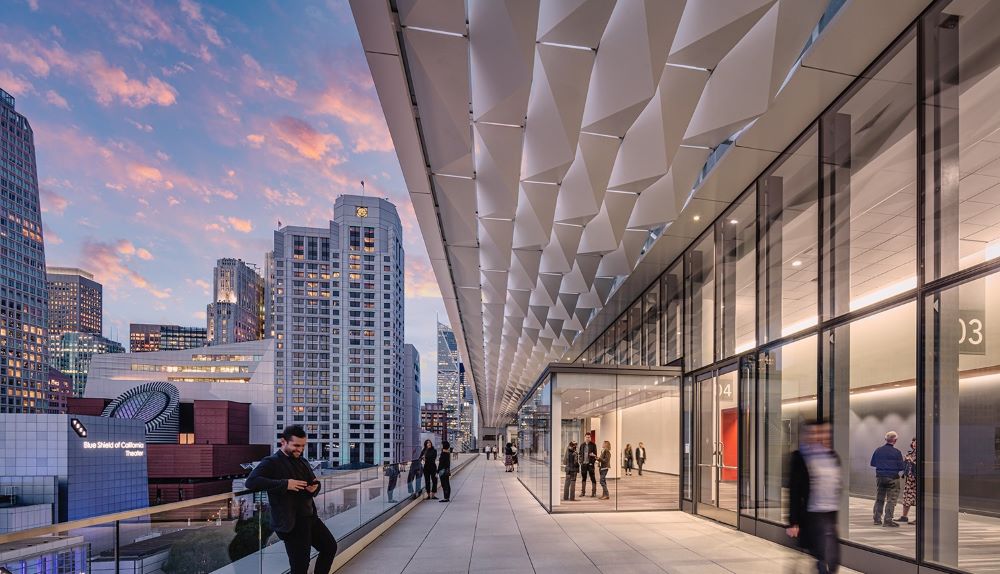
(557, 152)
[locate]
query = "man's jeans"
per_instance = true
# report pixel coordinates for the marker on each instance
(887, 493)
(585, 471)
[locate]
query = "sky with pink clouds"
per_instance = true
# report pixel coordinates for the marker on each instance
(170, 134)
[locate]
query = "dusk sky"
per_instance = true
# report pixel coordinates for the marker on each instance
(173, 133)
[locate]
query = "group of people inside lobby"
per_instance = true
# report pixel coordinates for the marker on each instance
(585, 459)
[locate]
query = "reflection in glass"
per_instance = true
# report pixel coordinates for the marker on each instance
(961, 511)
(718, 448)
(533, 442)
(699, 333)
(651, 326)
(786, 397)
(671, 289)
(789, 210)
(737, 277)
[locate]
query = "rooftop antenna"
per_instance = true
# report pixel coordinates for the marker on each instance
(362, 188)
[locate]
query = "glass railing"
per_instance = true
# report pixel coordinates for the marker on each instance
(226, 533)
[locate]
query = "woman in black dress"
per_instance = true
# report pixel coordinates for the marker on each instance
(429, 458)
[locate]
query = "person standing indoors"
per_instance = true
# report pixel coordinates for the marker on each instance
(640, 457)
(814, 497)
(508, 457)
(572, 466)
(909, 482)
(513, 457)
(627, 458)
(605, 462)
(444, 470)
(888, 463)
(291, 487)
(588, 458)
(429, 458)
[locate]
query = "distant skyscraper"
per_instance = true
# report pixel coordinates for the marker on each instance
(75, 302)
(434, 419)
(411, 402)
(72, 352)
(449, 384)
(145, 337)
(338, 326)
(236, 314)
(24, 369)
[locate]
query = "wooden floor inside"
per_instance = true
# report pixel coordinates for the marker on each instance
(651, 491)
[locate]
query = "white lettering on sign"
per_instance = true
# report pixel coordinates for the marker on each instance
(130, 448)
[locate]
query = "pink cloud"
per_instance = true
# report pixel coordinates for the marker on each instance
(56, 100)
(277, 84)
(50, 236)
(14, 84)
(241, 225)
(255, 140)
(144, 173)
(193, 11)
(276, 197)
(109, 83)
(140, 126)
(361, 113)
(303, 138)
(51, 201)
(109, 265)
(420, 280)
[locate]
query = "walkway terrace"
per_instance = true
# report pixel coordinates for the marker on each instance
(494, 524)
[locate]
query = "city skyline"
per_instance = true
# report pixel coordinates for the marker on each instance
(170, 136)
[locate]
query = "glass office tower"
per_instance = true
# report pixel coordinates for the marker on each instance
(857, 281)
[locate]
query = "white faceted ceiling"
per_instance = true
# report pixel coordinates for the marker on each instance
(555, 137)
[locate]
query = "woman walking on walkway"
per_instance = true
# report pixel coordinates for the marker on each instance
(444, 470)
(429, 458)
(605, 462)
(508, 457)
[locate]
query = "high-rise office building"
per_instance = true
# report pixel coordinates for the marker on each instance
(24, 370)
(75, 301)
(146, 337)
(411, 402)
(449, 383)
(338, 324)
(72, 352)
(236, 313)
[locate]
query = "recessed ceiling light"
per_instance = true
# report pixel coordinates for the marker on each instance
(796, 263)
(696, 217)
(733, 221)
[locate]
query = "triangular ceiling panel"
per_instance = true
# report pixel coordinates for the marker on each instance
(583, 187)
(574, 22)
(498, 161)
(710, 28)
(502, 50)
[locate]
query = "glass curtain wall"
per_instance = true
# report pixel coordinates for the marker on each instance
(534, 440)
(872, 246)
(635, 418)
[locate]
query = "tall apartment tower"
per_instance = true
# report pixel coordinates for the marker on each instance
(24, 369)
(75, 302)
(411, 403)
(338, 324)
(236, 313)
(449, 384)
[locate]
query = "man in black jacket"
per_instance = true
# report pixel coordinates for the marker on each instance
(291, 487)
(814, 497)
(588, 458)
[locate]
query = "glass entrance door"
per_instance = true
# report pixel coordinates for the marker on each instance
(718, 445)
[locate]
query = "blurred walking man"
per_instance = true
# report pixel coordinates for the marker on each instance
(814, 497)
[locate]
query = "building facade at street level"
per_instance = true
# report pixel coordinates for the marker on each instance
(449, 381)
(236, 313)
(72, 353)
(434, 418)
(697, 225)
(411, 402)
(75, 302)
(146, 337)
(338, 324)
(24, 371)
(239, 373)
(76, 467)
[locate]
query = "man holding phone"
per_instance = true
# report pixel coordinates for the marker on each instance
(291, 487)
